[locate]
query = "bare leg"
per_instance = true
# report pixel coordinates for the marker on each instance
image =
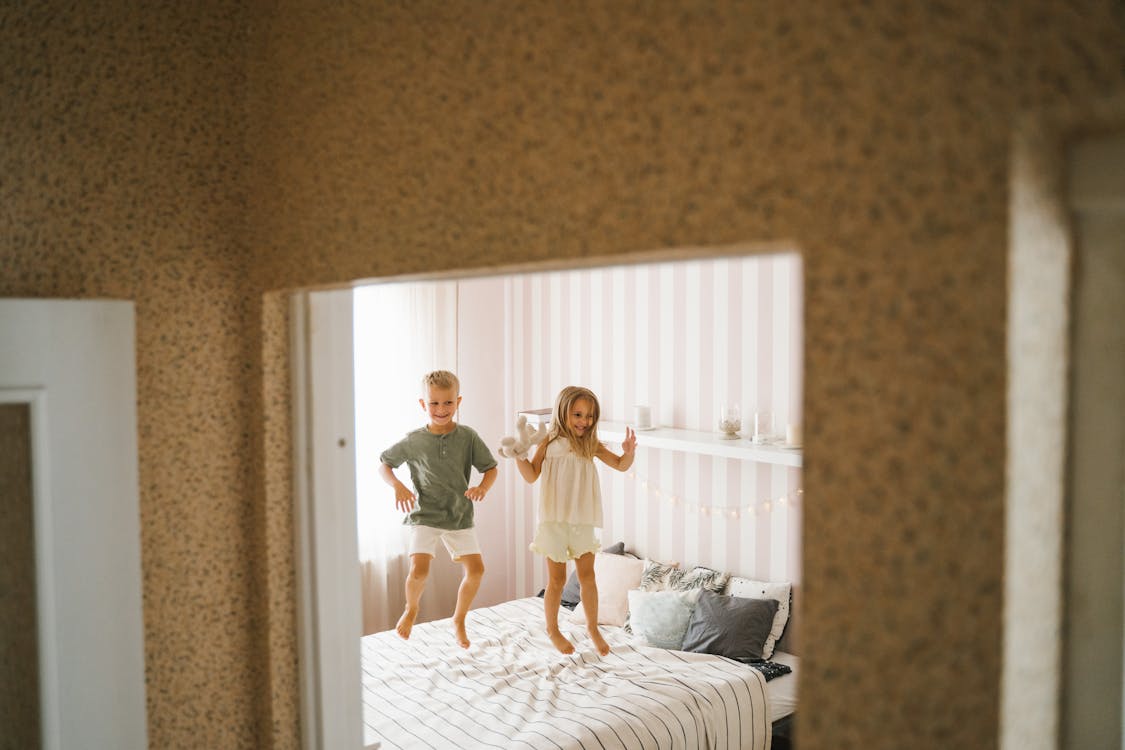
(556, 579)
(589, 588)
(470, 582)
(415, 584)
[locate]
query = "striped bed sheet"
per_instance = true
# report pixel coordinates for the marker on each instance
(512, 689)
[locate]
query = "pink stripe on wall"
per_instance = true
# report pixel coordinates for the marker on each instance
(763, 307)
(679, 416)
(695, 507)
(708, 331)
(584, 324)
(733, 526)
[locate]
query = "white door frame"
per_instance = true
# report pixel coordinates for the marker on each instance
(329, 624)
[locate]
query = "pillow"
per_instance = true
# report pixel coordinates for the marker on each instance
(661, 617)
(729, 626)
(658, 576)
(615, 574)
(699, 578)
(778, 591)
(572, 593)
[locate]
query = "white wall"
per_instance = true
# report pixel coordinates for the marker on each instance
(682, 337)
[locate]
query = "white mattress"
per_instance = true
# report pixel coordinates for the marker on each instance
(783, 690)
(512, 689)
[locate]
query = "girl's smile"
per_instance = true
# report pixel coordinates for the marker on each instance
(581, 416)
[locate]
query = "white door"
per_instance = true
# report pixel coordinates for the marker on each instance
(71, 365)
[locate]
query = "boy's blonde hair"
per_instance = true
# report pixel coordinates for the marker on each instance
(586, 445)
(440, 379)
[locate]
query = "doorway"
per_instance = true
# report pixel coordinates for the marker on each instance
(1094, 604)
(681, 337)
(72, 625)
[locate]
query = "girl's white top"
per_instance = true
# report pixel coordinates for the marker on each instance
(570, 491)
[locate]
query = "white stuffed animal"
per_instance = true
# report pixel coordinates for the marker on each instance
(518, 446)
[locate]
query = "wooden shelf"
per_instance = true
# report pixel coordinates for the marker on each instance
(704, 443)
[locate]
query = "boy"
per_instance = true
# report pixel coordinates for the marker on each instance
(440, 456)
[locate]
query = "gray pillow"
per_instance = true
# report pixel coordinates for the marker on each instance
(729, 626)
(572, 592)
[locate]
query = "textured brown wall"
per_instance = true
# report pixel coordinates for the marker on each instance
(192, 158)
(121, 168)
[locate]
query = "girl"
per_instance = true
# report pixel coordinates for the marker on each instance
(570, 504)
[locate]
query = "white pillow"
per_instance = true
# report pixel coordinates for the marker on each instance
(748, 588)
(661, 617)
(615, 575)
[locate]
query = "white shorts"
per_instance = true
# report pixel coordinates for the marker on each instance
(564, 541)
(459, 542)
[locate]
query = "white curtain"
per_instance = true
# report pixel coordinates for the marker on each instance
(402, 331)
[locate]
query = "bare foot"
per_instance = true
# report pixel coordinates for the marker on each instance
(462, 636)
(406, 623)
(561, 642)
(599, 642)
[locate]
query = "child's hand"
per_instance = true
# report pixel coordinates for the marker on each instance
(476, 493)
(404, 498)
(629, 444)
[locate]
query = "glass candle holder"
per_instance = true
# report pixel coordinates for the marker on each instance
(763, 426)
(730, 421)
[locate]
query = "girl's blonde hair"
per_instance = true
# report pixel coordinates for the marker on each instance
(586, 445)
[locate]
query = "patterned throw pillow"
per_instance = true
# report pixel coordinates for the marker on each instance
(658, 575)
(661, 617)
(699, 578)
(778, 591)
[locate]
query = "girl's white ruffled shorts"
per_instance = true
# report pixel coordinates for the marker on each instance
(564, 541)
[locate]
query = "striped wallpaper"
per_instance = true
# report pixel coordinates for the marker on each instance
(683, 338)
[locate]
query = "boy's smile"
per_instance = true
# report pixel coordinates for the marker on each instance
(441, 406)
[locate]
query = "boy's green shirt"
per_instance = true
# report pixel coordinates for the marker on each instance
(440, 467)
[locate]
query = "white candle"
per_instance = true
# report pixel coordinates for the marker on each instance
(642, 417)
(793, 434)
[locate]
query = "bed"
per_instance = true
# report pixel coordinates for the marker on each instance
(512, 689)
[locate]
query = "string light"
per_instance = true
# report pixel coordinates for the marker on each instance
(788, 499)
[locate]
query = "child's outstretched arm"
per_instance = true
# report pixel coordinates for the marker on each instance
(486, 480)
(530, 470)
(404, 498)
(628, 452)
